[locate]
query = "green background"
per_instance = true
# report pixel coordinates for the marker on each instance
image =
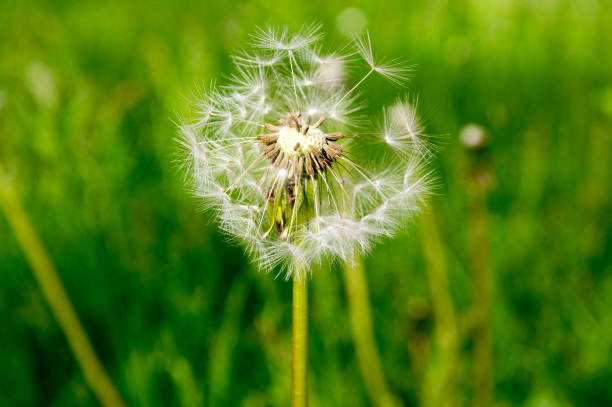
(88, 95)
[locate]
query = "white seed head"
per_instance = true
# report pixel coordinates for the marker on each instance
(287, 164)
(294, 143)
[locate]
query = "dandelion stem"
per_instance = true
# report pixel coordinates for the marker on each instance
(439, 388)
(57, 298)
(299, 385)
(483, 343)
(363, 336)
(480, 173)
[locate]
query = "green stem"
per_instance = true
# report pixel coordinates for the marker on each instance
(299, 384)
(479, 183)
(439, 388)
(57, 298)
(481, 276)
(361, 325)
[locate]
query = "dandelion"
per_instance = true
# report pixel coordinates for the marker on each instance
(278, 154)
(291, 166)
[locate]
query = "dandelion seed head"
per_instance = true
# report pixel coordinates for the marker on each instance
(284, 160)
(296, 144)
(473, 136)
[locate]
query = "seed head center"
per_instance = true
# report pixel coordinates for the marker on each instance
(293, 143)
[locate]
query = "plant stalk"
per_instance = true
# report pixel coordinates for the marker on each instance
(481, 276)
(479, 183)
(439, 388)
(56, 297)
(363, 335)
(299, 366)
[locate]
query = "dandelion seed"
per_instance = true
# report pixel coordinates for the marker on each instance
(290, 167)
(393, 70)
(273, 38)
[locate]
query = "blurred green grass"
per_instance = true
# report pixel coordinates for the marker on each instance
(88, 92)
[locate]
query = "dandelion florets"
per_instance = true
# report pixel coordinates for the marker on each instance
(288, 163)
